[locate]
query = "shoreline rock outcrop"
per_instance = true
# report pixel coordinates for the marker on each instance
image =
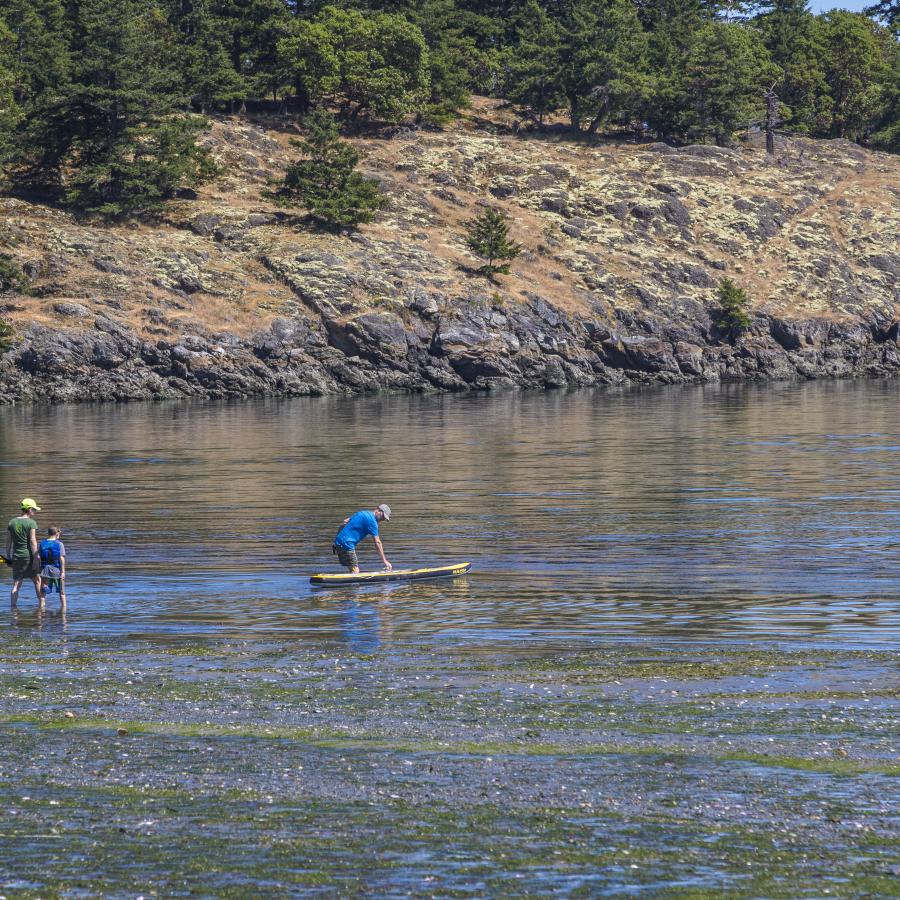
(623, 249)
(475, 348)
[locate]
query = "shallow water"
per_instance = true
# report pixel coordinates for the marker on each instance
(670, 672)
(724, 512)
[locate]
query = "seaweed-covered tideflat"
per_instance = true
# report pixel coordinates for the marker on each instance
(226, 768)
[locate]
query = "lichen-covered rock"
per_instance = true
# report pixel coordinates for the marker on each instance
(624, 247)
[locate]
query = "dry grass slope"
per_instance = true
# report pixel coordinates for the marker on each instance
(604, 227)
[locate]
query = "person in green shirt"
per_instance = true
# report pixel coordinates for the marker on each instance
(22, 550)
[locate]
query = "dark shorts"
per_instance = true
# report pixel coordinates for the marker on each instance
(346, 557)
(23, 568)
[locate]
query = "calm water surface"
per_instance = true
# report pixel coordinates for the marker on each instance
(735, 512)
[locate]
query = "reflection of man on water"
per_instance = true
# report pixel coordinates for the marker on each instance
(354, 529)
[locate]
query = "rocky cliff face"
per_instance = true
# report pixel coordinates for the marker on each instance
(624, 247)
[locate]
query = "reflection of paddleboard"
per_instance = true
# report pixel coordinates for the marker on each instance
(395, 575)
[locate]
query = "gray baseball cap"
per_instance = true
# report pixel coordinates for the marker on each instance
(386, 510)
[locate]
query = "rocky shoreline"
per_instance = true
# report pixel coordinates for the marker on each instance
(533, 345)
(623, 250)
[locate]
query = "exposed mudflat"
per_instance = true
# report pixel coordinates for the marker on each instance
(234, 769)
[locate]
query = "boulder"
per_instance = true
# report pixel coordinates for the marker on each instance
(70, 310)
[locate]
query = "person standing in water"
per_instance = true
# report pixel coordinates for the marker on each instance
(354, 529)
(53, 565)
(22, 551)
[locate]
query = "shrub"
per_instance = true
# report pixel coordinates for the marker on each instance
(5, 335)
(12, 279)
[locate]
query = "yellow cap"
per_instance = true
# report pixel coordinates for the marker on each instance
(28, 503)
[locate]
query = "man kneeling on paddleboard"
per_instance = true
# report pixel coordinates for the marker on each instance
(354, 529)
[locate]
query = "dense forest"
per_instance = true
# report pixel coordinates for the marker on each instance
(102, 101)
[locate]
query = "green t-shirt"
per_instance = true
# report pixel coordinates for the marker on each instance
(19, 529)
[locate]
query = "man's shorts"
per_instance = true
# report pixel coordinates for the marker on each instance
(23, 568)
(346, 557)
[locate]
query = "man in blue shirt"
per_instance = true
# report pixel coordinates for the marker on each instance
(354, 529)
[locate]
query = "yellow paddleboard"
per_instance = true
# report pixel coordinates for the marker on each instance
(327, 580)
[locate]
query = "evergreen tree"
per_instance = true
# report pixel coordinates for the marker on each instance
(269, 24)
(373, 65)
(724, 83)
(111, 140)
(534, 71)
(733, 314)
(325, 182)
(452, 57)
(6, 332)
(790, 35)
(603, 62)
(672, 27)
(487, 236)
(250, 32)
(491, 23)
(12, 278)
(210, 79)
(889, 13)
(854, 70)
(731, 11)
(38, 54)
(37, 59)
(456, 60)
(9, 109)
(886, 123)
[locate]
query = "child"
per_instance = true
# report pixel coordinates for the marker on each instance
(53, 566)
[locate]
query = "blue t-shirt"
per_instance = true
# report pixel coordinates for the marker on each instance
(359, 525)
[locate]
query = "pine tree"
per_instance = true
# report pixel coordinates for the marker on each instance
(855, 70)
(325, 182)
(111, 139)
(886, 123)
(452, 57)
(534, 71)
(250, 32)
(12, 279)
(672, 27)
(604, 63)
(210, 79)
(10, 112)
(487, 236)
(37, 59)
(6, 332)
(789, 32)
(723, 88)
(734, 304)
(888, 11)
(39, 52)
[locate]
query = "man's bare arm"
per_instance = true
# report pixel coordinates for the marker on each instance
(32, 541)
(380, 549)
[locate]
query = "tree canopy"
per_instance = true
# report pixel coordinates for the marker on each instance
(99, 98)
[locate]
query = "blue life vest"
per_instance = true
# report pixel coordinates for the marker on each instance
(50, 552)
